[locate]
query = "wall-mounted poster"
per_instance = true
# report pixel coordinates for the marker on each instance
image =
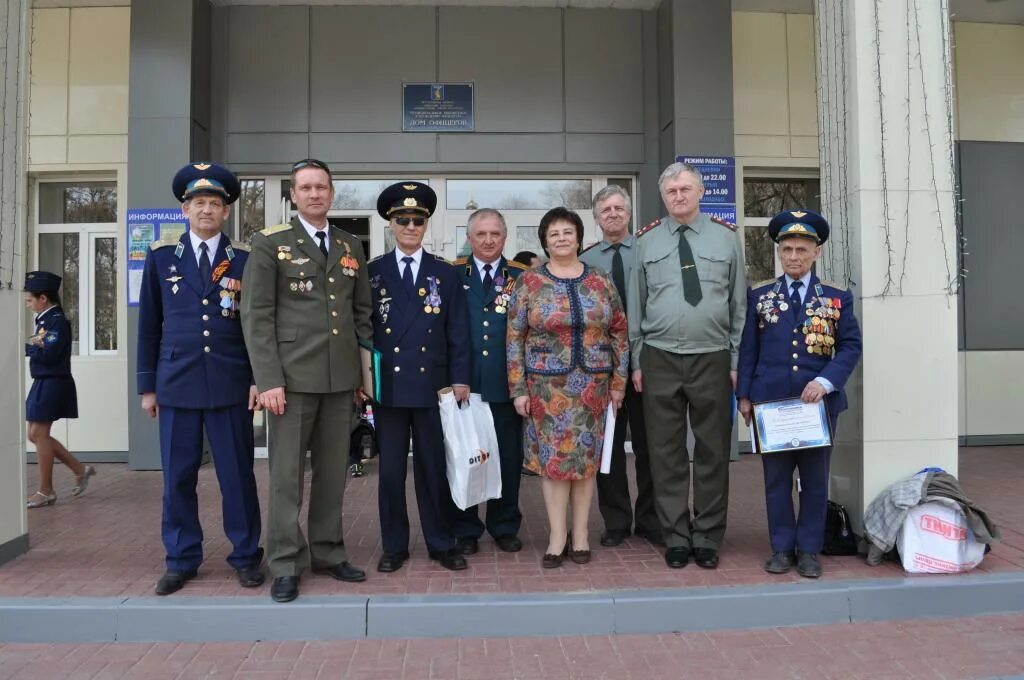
(437, 107)
(146, 225)
(719, 175)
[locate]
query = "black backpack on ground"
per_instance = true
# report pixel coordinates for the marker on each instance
(839, 536)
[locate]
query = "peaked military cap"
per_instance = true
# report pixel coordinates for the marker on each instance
(41, 282)
(205, 178)
(406, 197)
(804, 223)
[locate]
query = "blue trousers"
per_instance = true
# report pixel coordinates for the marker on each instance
(788, 531)
(229, 431)
(503, 515)
(429, 469)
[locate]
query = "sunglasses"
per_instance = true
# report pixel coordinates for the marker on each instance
(311, 163)
(415, 221)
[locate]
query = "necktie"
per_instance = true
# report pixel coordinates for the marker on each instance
(794, 298)
(619, 273)
(407, 279)
(488, 281)
(204, 263)
(691, 282)
(322, 237)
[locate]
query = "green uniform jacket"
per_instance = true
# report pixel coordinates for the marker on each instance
(301, 316)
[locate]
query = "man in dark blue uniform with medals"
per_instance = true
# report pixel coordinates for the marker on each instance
(801, 339)
(419, 326)
(194, 374)
(488, 278)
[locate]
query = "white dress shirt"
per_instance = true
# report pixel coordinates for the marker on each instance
(212, 243)
(312, 231)
(415, 264)
(481, 264)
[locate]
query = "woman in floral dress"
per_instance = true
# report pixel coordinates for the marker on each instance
(567, 357)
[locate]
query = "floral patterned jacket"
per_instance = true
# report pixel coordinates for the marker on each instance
(557, 325)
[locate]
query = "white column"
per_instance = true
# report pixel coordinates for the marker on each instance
(886, 151)
(13, 109)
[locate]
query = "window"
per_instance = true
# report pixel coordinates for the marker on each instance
(763, 199)
(251, 208)
(77, 239)
(519, 194)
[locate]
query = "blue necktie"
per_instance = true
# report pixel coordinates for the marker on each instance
(488, 281)
(794, 299)
(407, 279)
(205, 272)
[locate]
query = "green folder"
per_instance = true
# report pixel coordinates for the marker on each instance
(370, 359)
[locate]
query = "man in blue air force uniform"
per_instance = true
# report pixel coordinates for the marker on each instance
(193, 373)
(487, 277)
(419, 326)
(801, 340)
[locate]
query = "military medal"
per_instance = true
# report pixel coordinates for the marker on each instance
(349, 264)
(219, 270)
(293, 286)
(433, 300)
(284, 252)
(783, 306)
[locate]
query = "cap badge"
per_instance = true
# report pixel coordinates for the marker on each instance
(201, 166)
(408, 187)
(799, 214)
(409, 202)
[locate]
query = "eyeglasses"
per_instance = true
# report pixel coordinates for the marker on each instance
(405, 221)
(311, 163)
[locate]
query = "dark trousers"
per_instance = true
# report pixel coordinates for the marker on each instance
(229, 431)
(698, 386)
(503, 515)
(429, 468)
(613, 488)
(788, 531)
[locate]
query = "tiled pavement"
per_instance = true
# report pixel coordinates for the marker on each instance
(106, 543)
(983, 647)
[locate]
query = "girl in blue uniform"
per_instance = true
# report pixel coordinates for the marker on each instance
(53, 394)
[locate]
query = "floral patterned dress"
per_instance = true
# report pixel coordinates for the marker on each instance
(567, 348)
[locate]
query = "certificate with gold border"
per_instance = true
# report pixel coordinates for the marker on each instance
(790, 425)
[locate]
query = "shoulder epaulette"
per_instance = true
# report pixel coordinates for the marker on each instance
(833, 284)
(766, 282)
(728, 225)
(442, 259)
(459, 261)
(276, 229)
(643, 230)
(516, 264)
(239, 245)
(164, 242)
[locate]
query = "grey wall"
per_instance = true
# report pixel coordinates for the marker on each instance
(991, 178)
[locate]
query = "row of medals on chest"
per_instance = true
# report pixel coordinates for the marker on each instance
(818, 328)
(229, 287)
(349, 265)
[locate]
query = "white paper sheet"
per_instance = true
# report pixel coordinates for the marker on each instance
(609, 437)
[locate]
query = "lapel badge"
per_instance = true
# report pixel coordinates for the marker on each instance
(284, 252)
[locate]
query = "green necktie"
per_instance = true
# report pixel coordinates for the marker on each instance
(691, 282)
(619, 273)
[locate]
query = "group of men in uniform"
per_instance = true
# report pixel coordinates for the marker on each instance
(225, 329)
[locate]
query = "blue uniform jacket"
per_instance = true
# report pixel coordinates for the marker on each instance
(189, 352)
(421, 352)
(53, 357)
(780, 353)
(487, 325)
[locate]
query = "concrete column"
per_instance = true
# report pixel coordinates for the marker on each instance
(167, 127)
(884, 99)
(14, 29)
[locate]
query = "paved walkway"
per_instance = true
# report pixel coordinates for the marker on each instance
(106, 543)
(983, 647)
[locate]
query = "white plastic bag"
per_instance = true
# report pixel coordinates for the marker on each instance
(471, 449)
(935, 539)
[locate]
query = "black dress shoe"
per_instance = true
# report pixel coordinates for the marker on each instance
(284, 588)
(342, 572)
(467, 546)
(392, 561)
(808, 566)
(613, 537)
(251, 576)
(706, 558)
(780, 562)
(677, 557)
(450, 559)
(652, 536)
(508, 544)
(550, 561)
(173, 581)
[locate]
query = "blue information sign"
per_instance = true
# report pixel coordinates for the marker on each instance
(719, 175)
(437, 107)
(146, 225)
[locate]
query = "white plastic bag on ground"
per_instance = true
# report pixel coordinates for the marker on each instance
(935, 539)
(471, 449)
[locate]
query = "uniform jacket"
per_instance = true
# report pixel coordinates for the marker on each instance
(781, 353)
(53, 357)
(487, 326)
(303, 315)
(189, 353)
(421, 351)
(552, 332)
